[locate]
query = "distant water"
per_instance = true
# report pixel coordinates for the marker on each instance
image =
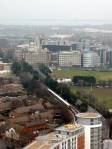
(53, 22)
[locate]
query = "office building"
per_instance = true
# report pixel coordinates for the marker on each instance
(69, 58)
(110, 58)
(35, 58)
(42, 56)
(54, 59)
(93, 129)
(90, 59)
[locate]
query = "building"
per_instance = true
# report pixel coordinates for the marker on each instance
(16, 134)
(107, 144)
(93, 129)
(103, 58)
(5, 68)
(70, 136)
(90, 59)
(18, 55)
(54, 60)
(110, 58)
(32, 53)
(42, 56)
(11, 88)
(35, 58)
(32, 45)
(64, 80)
(69, 58)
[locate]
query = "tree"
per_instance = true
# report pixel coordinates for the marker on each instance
(44, 69)
(51, 83)
(25, 76)
(26, 67)
(35, 75)
(65, 92)
(16, 68)
(83, 107)
(84, 80)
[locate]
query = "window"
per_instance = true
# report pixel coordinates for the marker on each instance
(67, 133)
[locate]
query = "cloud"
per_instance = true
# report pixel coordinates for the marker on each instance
(56, 9)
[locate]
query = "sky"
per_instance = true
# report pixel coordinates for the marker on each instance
(56, 9)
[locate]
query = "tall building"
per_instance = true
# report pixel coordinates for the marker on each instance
(111, 58)
(102, 53)
(54, 59)
(93, 129)
(33, 56)
(107, 144)
(70, 136)
(70, 58)
(91, 59)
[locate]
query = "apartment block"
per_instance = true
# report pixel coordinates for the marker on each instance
(93, 129)
(70, 136)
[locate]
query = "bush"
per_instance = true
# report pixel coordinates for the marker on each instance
(84, 80)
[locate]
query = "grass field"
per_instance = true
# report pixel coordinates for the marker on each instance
(104, 95)
(69, 73)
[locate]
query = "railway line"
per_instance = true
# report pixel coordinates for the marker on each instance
(72, 109)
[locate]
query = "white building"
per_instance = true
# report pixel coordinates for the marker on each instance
(35, 58)
(5, 68)
(107, 144)
(93, 129)
(69, 58)
(42, 56)
(70, 136)
(64, 80)
(91, 59)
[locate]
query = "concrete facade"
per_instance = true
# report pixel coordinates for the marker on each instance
(69, 58)
(93, 129)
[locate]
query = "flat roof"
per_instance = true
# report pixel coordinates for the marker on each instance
(107, 141)
(69, 52)
(69, 127)
(46, 141)
(88, 115)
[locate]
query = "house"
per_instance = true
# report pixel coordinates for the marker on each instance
(14, 133)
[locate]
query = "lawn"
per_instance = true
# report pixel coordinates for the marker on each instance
(69, 73)
(104, 95)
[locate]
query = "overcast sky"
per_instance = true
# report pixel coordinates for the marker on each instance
(56, 9)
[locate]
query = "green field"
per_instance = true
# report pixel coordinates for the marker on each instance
(104, 95)
(69, 73)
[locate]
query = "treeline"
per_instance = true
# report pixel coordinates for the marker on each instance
(84, 80)
(27, 75)
(30, 79)
(64, 91)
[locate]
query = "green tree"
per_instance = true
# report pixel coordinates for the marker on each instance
(16, 68)
(44, 69)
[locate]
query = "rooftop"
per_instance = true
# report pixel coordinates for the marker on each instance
(39, 144)
(69, 127)
(46, 141)
(88, 115)
(69, 52)
(107, 141)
